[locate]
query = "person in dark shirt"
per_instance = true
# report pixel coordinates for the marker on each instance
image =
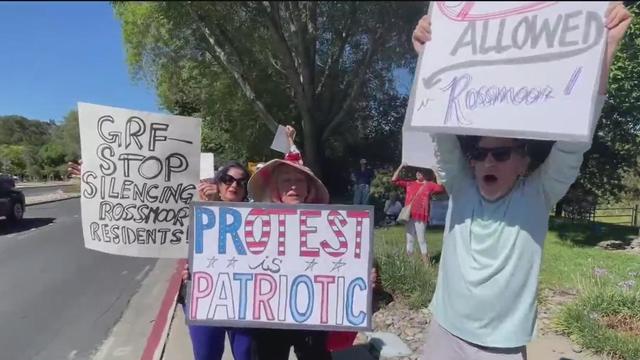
(362, 182)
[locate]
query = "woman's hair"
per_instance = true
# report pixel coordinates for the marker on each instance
(428, 174)
(536, 150)
(225, 169)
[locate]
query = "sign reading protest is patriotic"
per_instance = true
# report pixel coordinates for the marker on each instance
(280, 266)
(139, 174)
(527, 69)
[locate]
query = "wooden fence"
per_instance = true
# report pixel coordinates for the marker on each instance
(611, 215)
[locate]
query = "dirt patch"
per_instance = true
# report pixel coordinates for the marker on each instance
(626, 324)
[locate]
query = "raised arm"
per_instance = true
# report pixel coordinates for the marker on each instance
(562, 166)
(395, 179)
(294, 154)
(452, 166)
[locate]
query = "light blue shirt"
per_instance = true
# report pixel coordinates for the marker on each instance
(492, 251)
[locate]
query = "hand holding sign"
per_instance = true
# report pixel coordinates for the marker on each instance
(474, 78)
(74, 169)
(618, 21)
(422, 33)
(207, 191)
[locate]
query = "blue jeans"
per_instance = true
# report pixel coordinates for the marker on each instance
(361, 194)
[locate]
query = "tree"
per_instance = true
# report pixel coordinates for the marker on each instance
(69, 135)
(249, 66)
(12, 160)
(18, 130)
(614, 151)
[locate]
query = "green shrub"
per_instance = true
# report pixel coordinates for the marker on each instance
(606, 317)
(401, 275)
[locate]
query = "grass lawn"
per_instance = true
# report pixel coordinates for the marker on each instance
(569, 252)
(604, 318)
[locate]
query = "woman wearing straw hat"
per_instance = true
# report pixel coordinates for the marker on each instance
(288, 182)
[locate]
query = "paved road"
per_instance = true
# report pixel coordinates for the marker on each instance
(37, 191)
(57, 299)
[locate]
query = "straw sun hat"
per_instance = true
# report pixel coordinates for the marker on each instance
(260, 183)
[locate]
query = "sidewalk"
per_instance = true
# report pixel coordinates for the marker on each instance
(22, 185)
(547, 347)
(47, 198)
(178, 345)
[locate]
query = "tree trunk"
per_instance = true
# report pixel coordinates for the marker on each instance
(559, 207)
(312, 155)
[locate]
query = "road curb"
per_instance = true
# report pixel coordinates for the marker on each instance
(142, 322)
(51, 201)
(160, 331)
(44, 185)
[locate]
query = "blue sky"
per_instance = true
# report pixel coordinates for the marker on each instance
(55, 54)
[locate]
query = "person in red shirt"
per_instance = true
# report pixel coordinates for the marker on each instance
(419, 193)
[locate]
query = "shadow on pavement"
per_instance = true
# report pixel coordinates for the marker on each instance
(7, 228)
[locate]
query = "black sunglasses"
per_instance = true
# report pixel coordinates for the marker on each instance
(499, 154)
(229, 180)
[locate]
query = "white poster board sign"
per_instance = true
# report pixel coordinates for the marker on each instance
(277, 266)
(527, 69)
(207, 166)
(418, 149)
(139, 171)
(280, 141)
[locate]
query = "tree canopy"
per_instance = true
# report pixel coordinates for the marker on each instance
(245, 67)
(328, 69)
(36, 149)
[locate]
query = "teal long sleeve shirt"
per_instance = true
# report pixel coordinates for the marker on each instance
(492, 251)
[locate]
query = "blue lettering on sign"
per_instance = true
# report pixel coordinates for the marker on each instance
(202, 214)
(244, 279)
(293, 298)
(230, 229)
(351, 318)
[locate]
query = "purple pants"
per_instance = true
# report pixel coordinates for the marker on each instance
(208, 342)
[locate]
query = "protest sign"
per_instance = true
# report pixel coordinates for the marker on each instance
(280, 266)
(418, 149)
(514, 69)
(280, 140)
(139, 172)
(207, 166)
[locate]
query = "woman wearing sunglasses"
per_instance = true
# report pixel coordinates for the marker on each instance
(228, 185)
(419, 193)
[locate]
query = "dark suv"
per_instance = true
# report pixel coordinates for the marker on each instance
(11, 200)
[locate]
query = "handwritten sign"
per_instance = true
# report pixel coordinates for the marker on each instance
(207, 166)
(526, 69)
(272, 265)
(138, 177)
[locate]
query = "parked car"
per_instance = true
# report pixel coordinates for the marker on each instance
(438, 213)
(11, 200)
